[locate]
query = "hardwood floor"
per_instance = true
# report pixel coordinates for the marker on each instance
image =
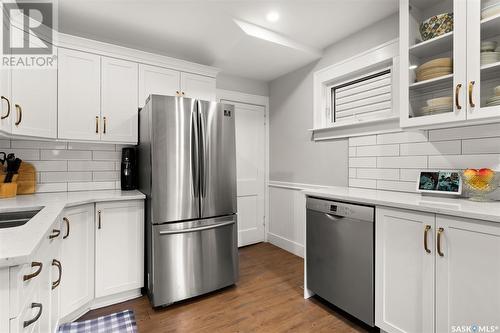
(267, 298)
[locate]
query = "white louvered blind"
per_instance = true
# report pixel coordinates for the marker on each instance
(365, 98)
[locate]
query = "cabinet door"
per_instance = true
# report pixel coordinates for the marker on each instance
(77, 258)
(404, 271)
(483, 66)
(157, 80)
(198, 86)
(119, 247)
(439, 80)
(34, 102)
(119, 113)
(79, 86)
(5, 102)
(467, 274)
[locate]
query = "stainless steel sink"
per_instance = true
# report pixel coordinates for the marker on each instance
(16, 219)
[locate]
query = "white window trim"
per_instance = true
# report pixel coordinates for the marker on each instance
(373, 60)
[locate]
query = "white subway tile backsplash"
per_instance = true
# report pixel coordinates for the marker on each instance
(362, 162)
(56, 154)
(365, 183)
(409, 175)
(352, 172)
(70, 166)
(481, 146)
(401, 137)
(469, 132)
(352, 151)
(363, 140)
(396, 186)
(388, 174)
(380, 150)
(402, 162)
(91, 165)
(491, 161)
(431, 148)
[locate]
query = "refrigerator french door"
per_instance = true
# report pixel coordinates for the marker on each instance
(188, 172)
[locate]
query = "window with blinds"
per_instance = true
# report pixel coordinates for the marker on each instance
(365, 98)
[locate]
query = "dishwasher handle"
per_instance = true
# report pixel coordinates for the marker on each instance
(334, 217)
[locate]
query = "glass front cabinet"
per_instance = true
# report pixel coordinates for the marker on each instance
(450, 62)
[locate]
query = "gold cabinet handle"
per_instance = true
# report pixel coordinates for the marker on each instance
(96, 124)
(426, 232)
(38, 306)
(457, 96)
(104, 125)
(183, 93)
(8, 107)
(66, 220)
(98, 219)
(471, 89)
(58, 264)
(39, 266)
(55, 233)
(440, 232)
(19, 111)
(177, 93)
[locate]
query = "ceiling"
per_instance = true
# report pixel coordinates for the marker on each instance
(212, 32)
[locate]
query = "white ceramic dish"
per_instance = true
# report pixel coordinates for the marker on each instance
(490, 11)
(489, 57)
(488, 46)
(441, 101)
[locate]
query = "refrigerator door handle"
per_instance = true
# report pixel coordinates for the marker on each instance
(195, 151)
(203, 180)
(182, 231)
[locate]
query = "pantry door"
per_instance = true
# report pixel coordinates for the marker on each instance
(250, 170)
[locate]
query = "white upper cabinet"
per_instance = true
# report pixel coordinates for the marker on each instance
(119, 112)
(6, 105)
(119, 256)
(467, 274)
(198, 86)
(404, 271)
(157, 80)
(77, 258)
(79, 95)
(465, 89)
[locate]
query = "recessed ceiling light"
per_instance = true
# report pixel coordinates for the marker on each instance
(273, 16)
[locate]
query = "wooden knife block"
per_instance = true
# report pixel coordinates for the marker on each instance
(24, 182)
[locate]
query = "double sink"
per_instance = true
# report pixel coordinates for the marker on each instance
(16, 219)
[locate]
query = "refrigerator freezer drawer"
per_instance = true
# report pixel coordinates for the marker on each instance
(193, 258)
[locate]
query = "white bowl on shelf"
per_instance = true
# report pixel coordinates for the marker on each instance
(488, 46)
(490, 10)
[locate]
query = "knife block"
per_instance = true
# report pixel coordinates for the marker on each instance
(8, 190)
(26, 178)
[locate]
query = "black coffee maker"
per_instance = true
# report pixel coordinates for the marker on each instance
(128, 169)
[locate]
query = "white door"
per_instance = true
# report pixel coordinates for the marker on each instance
(467, 274)
(250, 170)
(119, 113)
(404, 271)
(77, 258)
(119, 257)
(34, 102)
(157, 80)
(79, 91)
(198, 86)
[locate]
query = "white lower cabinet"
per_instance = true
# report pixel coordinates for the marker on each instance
(77, 258)
(435, 273)
(468, 275)
(119, 242)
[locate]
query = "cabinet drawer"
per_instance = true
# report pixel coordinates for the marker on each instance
(31, 312)
(24, 278)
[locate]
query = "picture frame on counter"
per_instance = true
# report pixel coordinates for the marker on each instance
(442, 182)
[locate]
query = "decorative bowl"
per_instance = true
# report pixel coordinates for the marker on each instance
(480, 182)
(436, 26)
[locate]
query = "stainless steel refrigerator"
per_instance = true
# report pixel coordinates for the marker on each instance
(187, 169)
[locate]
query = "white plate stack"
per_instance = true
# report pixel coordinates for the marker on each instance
(494, 100)
(489, 55)
(436, 106)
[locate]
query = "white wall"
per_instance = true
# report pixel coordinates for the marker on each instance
(65, 166)
(244, 85)
(295, 160)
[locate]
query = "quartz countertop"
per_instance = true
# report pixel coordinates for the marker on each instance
(489, 211)
(17, 244)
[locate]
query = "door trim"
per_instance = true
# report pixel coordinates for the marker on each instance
(239, 97)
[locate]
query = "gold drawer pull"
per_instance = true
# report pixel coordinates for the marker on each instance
(66, 220)
(440, 232)
(58, 264)
(39, 306)
(8, 107)
(19, 114)
(457, 95)
(96, 124)
(55, 233)
(426, 232)
(471, 89)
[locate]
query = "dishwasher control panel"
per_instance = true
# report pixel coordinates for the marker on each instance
(341, 209)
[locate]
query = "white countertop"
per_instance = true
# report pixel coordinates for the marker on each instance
(19, 243)
(489, 211)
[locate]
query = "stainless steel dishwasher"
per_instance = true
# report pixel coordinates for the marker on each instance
(340, 255)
